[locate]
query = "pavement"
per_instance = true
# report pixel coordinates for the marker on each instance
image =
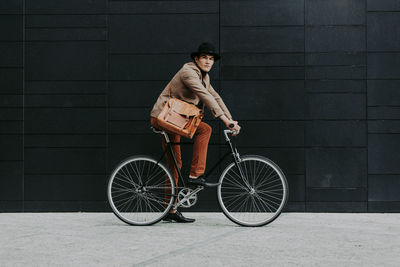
(294, 239)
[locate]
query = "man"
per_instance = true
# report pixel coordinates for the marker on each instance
(192, 84)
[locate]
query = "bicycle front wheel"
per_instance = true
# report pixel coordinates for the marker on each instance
(254, 195)
(141, 191)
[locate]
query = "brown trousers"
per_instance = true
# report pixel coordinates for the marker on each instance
(201, 139)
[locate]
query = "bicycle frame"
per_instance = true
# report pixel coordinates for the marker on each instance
(233, 151)
(251, 190)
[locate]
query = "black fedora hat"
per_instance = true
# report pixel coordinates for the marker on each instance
(206, 48)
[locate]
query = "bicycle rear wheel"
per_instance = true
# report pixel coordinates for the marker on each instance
(141, 191)
(256, 199)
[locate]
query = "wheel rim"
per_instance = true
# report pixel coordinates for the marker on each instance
(140, 190)
(256, 200)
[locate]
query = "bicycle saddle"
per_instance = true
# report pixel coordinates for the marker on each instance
(156, 130)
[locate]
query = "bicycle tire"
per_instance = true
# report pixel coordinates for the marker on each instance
(262, 197)
(141, 191)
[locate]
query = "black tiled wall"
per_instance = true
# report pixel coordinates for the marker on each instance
(383, 105)
(314, 84)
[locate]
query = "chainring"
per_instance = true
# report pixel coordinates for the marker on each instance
(187, 198)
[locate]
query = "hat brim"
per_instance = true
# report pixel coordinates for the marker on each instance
(216, 56)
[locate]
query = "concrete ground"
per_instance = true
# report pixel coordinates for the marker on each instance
(294, 239)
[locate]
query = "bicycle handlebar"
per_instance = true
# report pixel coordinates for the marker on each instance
(228, 131)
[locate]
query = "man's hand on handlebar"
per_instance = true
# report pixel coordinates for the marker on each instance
(231, 124)
(234, 127)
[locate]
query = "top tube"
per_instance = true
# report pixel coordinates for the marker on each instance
(167, 139)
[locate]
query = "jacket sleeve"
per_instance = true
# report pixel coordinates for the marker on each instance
(192, 80)
(220, 102)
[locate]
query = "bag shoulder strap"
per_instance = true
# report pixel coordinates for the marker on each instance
(170, 96)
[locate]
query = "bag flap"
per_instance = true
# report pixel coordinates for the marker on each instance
(183, 108)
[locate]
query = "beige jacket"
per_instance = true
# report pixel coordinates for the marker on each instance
(189, 85)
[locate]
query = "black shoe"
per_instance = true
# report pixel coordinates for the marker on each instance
(178, 217)
(200, 181)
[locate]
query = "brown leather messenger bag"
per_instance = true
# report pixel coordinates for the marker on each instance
(179, 117)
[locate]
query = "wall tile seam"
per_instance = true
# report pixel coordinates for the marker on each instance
(72, 80)
(63, 94)
(335, 65)
(11, 67)
(23, 100)
(366, 100)
(383, 11)
(305, 103)
(383, 51)
(112, 12)
(334, 93)
(264, 26)
(65, 41)
(334, 25)
(12, 41)
(64, 27)
(338, 187)
(266, 67)
(29, 12)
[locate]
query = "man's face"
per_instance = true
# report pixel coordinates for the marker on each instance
(205, 62)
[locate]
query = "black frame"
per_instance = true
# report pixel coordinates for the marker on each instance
(233, 151)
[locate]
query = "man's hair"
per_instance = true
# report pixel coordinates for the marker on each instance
(204, 54)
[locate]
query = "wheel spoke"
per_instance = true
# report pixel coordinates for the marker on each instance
(270, 196)
(155, 175)
(155, 197)
(243, 204)
(129, 179)
(117, 194)
(233, 202)
(274, 192)
(233, 196)
(259, 174)
(122, 186)
(126, 201)
(233, 181)
(245, 176)
(266, 204)
(264, 182)
(137, 172)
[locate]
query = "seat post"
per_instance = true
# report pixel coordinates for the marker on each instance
(165, 136)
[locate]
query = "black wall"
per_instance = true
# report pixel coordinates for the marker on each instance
(315, 85)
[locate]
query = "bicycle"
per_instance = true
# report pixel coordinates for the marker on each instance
(252, 189)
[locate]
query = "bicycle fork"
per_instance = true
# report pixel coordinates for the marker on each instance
(237, 160)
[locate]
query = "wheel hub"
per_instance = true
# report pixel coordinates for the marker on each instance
(141, 190)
